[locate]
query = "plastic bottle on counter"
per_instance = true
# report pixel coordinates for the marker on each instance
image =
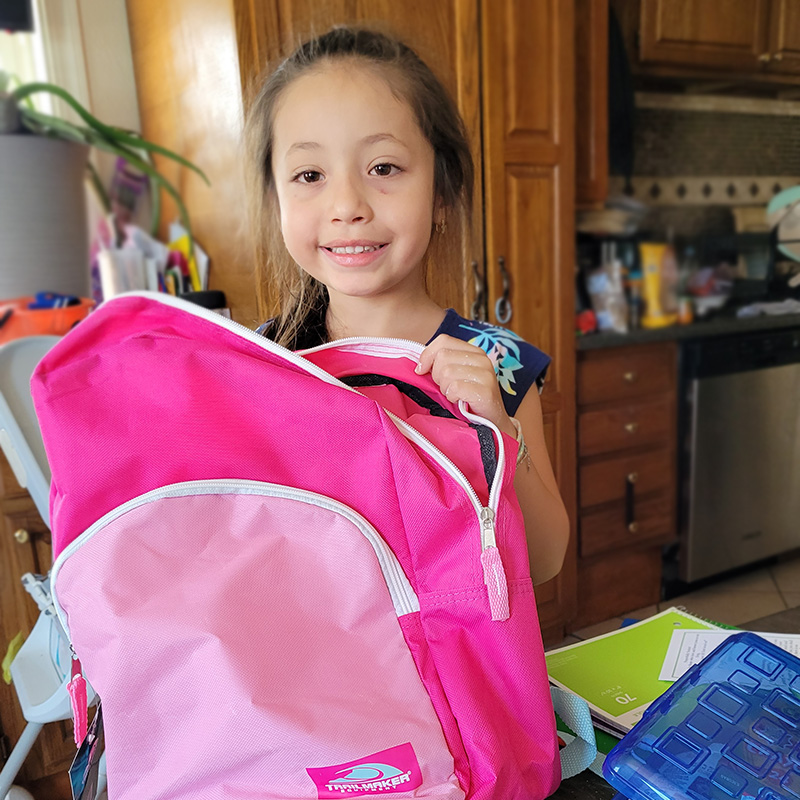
(635, 301)
(688, 267)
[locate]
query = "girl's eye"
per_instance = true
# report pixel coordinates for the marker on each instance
(384, 170)
(308, 176)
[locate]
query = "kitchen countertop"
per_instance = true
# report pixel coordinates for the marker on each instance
(588, 786)
(718, 325)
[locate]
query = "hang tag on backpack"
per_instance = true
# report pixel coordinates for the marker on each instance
(84, 772)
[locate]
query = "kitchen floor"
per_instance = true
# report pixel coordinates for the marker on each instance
(757, 593)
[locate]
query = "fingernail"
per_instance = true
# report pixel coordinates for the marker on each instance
(418, 369)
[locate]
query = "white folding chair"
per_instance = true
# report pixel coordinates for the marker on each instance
(42, 667)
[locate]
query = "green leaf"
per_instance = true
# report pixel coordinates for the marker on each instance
(100, 190)
(108, 131)
(125, 144)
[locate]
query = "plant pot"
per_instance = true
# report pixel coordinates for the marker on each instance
(43, 231)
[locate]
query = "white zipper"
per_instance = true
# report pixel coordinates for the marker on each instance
(404, 599)
(486, 514)
(410, 348)
(405, 346)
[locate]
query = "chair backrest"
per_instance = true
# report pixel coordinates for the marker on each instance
(20, 437)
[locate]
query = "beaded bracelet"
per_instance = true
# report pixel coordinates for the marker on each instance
(522, 452)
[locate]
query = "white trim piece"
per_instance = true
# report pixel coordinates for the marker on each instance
(713, 190)
(61, 34)
(87, 50)
(720, 104)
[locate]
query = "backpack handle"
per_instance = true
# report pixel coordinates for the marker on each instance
(581, 752)
(418, 396)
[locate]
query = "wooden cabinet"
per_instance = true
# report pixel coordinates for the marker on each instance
(726, 34)
(756, 39)
(527, 71)
(25, 547)
(627, 476)
(510, 66)
(591, 103)
(783, 46)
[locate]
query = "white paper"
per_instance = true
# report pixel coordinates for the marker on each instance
(689, 647)
(121, 271)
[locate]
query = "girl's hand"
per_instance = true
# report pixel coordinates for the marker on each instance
(463, 371)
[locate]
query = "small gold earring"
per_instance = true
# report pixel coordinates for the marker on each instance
(441, 227)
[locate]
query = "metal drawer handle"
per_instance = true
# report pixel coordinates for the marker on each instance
(629, 377)
(630, 502)
(478, 304)
(765, 57)
(502, 308)
(632, 427)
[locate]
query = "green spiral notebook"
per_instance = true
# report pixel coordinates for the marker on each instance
(617, 673)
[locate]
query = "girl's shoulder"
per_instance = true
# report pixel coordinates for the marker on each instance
(518, 363)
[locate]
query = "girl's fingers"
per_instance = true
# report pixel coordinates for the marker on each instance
(464, 372)
(449, 346)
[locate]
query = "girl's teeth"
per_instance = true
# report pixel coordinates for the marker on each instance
(353, 250)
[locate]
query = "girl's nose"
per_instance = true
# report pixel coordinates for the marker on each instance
(349, 203)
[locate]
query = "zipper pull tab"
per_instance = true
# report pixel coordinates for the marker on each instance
(494, 574)
(78, 701)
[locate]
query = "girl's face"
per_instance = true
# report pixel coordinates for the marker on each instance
(354, 179)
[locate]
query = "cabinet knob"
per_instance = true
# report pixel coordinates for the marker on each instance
(22, 536)
(631, 427)
(629, 377)
(633, 477)
(765, 57)
(633, 527)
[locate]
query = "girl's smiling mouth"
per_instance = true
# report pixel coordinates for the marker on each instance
(353, 254)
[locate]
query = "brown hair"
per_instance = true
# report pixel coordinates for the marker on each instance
(285, 292)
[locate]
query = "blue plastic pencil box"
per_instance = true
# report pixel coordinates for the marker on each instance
(728, 728)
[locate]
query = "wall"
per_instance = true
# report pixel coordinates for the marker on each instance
(669, 142)
(191, 103)
(693, 166)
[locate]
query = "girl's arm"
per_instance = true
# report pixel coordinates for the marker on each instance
(464, 372)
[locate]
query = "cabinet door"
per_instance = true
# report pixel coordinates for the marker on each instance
(591, 102)
(716, 34)
(784, 37)
(444, 33)
(528, 111)
(25, 547)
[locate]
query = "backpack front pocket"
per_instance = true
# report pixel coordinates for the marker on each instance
(244, 639)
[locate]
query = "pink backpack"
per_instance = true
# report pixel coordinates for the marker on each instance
(275, 579)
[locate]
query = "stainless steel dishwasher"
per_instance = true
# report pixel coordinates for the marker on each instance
(740, 473)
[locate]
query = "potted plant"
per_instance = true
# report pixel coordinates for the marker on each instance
(43, 165)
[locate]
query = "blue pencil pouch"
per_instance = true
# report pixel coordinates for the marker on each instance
(728, 728)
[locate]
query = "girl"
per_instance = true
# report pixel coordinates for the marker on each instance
(363, 181)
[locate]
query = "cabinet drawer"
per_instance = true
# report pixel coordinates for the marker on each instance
(623, 426)
(653, 520)
(607, 480)
(601, 593)
(626, 373)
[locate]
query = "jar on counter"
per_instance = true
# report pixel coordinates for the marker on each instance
(685, 310)
(635, 301)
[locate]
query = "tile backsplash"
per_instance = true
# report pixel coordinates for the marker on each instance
(684, 143)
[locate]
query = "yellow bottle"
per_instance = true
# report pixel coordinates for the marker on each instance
(652, 256)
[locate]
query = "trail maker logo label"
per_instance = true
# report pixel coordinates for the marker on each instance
(387, 772)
